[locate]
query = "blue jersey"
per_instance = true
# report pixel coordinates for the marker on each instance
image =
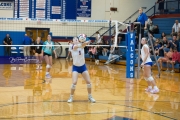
(157, 47)
(142, 18)
(49, 48)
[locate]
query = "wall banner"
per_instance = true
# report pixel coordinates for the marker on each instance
(6, 5)
(84, 8)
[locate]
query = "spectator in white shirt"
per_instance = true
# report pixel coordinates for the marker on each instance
(176, 29)
(98, 38)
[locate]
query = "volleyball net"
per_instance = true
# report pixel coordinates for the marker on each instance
(63, 31)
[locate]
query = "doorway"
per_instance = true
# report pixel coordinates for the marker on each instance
(38, 32)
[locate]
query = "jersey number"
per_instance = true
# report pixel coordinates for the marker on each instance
(79, 52)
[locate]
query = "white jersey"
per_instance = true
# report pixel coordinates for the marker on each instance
(78, 57)
(143, 54)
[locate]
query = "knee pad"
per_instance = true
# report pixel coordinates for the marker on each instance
(150, 78)
(88, 85)
(48, 66)
(73, 86)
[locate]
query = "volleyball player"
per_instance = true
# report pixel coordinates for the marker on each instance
(79, 67)
(47, 52)
(38, 53)
(147, 63)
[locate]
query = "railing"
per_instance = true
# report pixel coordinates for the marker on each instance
(119, 25)
(151, 11)
(132, 18)
(170, 7)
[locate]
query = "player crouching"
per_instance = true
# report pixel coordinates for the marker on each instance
(79, 65)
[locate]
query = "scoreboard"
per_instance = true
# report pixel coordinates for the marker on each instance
(47, 9)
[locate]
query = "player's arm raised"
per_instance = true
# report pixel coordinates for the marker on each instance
(86, 43)
(81, 45)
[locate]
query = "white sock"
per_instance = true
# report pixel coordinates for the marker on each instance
(155, 87)
(150, 87)
(89, 94)
(71, 95)
(47, 73)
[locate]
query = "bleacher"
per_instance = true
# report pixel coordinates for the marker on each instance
(122, 52)
(165, 25)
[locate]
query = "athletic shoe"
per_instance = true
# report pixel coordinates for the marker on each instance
(148, 89)
(172, 71)
(70, 99)
(167, 70)
(154, 91)
(48, 76)
(91, 99)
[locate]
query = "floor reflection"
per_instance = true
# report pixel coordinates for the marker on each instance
(25, 92)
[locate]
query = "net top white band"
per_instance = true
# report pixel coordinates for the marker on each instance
(61, 20)
(57, 45)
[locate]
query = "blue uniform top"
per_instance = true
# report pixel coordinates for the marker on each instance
(142, 18)
(157, 47)
(27, 40)
(49, 48)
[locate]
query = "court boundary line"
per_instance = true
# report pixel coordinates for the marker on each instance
(140, 109)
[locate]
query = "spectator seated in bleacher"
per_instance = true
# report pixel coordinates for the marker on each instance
(175, 59)
(114, 54)
(98, 38)
(121, 37)
(92, 51)
(105, 49)
(154, 30)
(164, 47)
(156, 47)
(149, 21)
(150, 27)
(163, 35)
(98, 52)
(176, 29)
(167, 57)
(174, 43)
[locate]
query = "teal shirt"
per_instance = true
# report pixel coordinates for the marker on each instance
(49, 48)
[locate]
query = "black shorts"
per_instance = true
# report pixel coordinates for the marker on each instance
(47, 54)
(38, 52)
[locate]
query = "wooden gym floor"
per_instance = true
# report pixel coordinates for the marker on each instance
(26, 95)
